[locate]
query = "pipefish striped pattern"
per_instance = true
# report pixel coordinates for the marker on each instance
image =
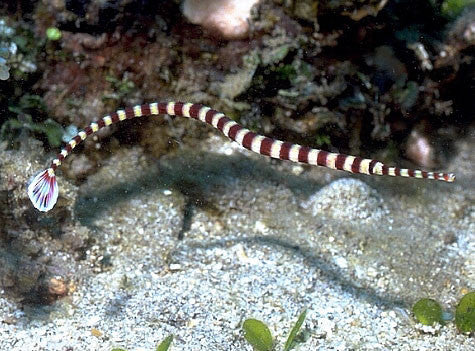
(43, 190)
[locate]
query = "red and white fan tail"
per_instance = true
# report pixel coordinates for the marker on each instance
(43, 190)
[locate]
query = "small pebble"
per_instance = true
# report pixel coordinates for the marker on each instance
(228, 19)
(175, 267)
(420, 150)
(96, 332)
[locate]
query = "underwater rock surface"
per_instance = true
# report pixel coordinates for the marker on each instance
(348, 199)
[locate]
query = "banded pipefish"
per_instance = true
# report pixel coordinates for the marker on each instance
(43, 190)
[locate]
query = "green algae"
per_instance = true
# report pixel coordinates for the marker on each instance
(27, 106)
(465, 313)
(427, 311)
(53, 33)
(453, 8)
(257, 334)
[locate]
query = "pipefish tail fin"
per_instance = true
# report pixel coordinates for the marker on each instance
(43, 190)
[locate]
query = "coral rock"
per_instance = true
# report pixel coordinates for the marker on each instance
(228, 19)
(419, 150)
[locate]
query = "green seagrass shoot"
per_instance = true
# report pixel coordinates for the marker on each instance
(465, 313)
(163, 346)
(428, 312)
(259, 336)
